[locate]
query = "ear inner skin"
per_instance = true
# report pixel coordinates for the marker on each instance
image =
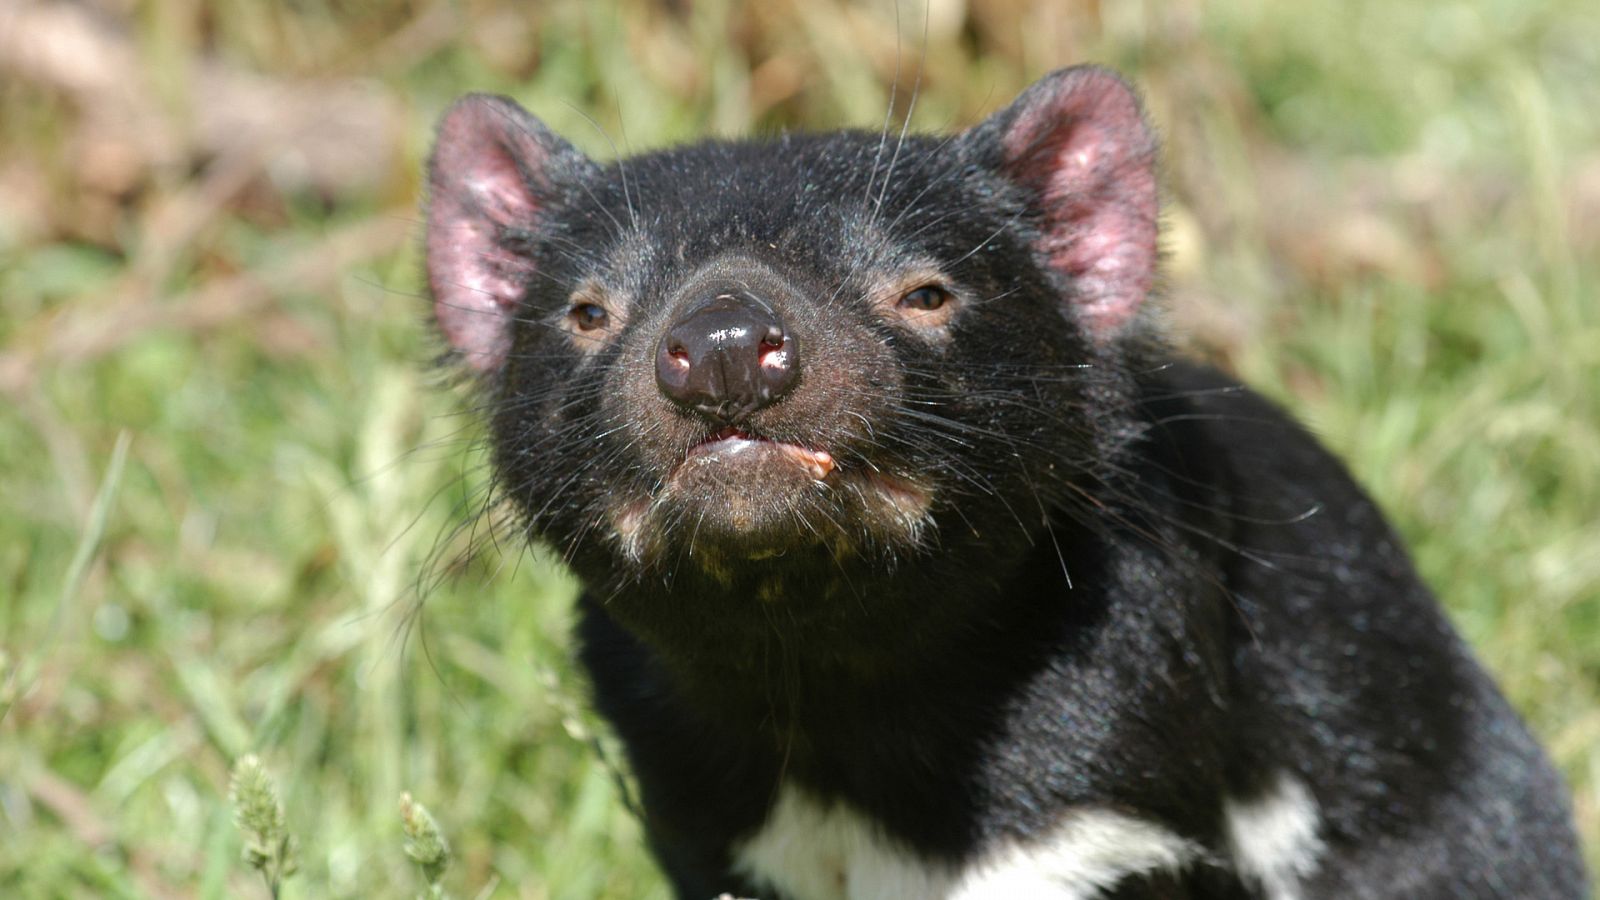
(490, 173)
(1079, 143)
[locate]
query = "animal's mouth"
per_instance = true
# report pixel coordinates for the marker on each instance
(739, 494)
(730, 444)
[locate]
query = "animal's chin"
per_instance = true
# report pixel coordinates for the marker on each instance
(740, 496)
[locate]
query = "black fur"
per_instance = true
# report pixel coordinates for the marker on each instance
(1054, 568)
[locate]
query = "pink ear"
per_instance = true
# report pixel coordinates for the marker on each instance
(489, 173)
(1078, 140)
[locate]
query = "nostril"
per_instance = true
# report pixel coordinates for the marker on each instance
(775, 357)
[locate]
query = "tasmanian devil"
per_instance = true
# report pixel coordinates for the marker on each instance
(917, 566)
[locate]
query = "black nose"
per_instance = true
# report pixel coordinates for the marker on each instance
(727, 358)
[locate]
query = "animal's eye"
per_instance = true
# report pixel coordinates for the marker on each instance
(588, 316)
(925, 299)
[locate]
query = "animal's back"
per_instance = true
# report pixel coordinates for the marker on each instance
(1348, 680)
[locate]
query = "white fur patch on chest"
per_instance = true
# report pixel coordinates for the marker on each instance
(811, 850)
(1273, 839)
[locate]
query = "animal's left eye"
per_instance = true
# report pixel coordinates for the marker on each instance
(925, 299)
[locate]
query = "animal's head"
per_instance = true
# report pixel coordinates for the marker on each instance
(752, 354)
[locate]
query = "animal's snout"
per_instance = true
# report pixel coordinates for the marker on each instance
(727, 357)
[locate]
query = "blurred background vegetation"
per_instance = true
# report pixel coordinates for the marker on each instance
(230, 476)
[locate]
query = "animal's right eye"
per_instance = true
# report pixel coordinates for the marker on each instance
(925, 299)
(588, 316)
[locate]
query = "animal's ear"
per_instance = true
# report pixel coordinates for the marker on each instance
(495, 168)
(1077, 142)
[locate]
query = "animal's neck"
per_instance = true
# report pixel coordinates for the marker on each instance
(903, 645)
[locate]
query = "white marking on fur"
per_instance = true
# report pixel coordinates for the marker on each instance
(1088, 851)
(1273, 838)
(813, 851)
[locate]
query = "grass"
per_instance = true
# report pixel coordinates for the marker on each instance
(230, 473)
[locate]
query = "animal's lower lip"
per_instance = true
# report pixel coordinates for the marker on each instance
(728, 440)
(733, 442)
